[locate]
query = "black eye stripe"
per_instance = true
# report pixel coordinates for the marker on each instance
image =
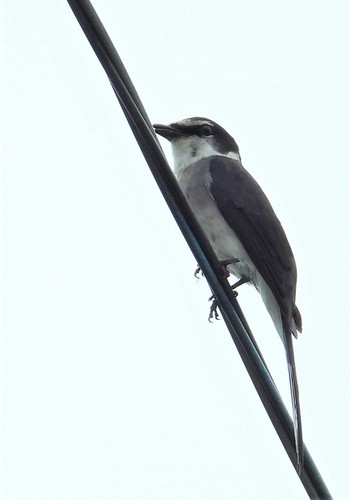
(199, 130)
(194, 126)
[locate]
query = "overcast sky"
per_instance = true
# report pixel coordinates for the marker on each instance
(115, 386)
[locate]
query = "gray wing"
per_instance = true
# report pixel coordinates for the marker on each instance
(249, 213)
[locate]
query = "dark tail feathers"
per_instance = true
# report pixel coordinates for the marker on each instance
(298, 434)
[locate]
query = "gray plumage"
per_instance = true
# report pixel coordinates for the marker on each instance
(240, 223)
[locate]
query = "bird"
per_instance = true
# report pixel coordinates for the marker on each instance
(242, 228)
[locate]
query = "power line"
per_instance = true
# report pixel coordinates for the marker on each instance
(197, 241)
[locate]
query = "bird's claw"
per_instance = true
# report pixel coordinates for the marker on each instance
(213, 312)
(197, 271)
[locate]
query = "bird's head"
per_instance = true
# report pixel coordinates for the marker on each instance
(195, 138)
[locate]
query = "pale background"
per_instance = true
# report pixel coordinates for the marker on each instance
(115, 386)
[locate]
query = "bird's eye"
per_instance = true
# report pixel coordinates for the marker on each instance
(206, 130)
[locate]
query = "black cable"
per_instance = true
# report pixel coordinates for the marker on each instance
(233, 316)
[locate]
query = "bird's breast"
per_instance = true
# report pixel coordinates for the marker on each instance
(221, 236)
(195, 184)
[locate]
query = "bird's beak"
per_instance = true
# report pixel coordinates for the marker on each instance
(167, 131)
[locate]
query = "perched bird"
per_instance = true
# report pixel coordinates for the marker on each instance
(241, 226)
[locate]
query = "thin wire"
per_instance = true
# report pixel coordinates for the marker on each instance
(145, 136)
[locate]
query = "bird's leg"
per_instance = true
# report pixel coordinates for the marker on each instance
(224, 264)
(240, 282)
(213, 312)
(227, 262)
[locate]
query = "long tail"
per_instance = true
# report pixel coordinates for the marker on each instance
(293, 382)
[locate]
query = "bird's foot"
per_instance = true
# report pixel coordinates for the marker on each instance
(213, 311)
(197, 271)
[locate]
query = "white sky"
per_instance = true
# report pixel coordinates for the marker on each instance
(115, 386)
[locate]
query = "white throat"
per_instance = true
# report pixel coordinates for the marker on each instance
(189, 150)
